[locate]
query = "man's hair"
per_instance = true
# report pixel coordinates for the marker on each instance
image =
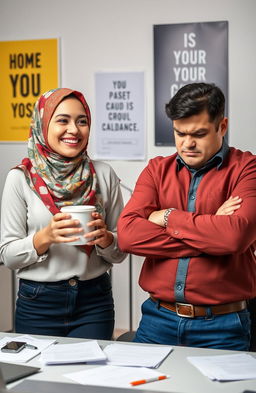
(193, 99)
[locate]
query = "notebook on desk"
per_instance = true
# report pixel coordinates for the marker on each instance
(59, 387)
(12, 372)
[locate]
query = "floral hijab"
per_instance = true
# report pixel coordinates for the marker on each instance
(58, 181)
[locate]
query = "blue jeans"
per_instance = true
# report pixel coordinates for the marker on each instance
(161, 326)
(69, 308)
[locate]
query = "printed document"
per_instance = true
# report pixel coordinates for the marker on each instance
(226, 367)
(136, 355)
(113, 376)
(81, 352)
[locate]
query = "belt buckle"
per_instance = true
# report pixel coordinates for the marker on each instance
(189, 306)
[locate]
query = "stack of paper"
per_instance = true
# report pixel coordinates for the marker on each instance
(113, 354)
(226, 367)
(81, 352)
(113, 376)
(26, 354)
(136, 355)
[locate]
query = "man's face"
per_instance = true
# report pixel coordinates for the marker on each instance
(197, 139)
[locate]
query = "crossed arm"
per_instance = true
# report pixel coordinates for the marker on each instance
(149, 237)
(226, 209)
(230, 229)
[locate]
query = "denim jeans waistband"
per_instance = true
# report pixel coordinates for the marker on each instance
(66, 282)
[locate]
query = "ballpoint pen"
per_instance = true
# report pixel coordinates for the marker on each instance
(142, 381)
(29, 346)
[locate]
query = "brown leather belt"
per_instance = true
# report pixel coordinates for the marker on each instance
(191, 311)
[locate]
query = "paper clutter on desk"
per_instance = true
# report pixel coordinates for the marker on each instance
(114, 376)
(81, 352)
(28, 353)
(226, 367)
(136, 355)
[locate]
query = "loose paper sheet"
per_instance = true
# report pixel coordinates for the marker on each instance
(113, 376)
(81, 352)
(136, 355)
(226, 367)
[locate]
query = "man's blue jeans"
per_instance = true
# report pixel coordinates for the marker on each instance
(161, 326)
(84, 309)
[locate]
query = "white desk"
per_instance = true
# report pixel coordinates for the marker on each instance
(185, 378)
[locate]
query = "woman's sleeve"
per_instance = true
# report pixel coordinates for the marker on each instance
(113, 207)
(16, 249)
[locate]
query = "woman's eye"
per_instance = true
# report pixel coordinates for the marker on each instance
(62, 121)
(82, 122)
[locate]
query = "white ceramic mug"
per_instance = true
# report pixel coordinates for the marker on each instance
(83, 213)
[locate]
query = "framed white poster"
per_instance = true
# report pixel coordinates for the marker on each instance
(120, 116)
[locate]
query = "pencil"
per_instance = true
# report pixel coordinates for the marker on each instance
(142, 381)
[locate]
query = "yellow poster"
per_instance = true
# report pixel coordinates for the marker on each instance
(27, 69)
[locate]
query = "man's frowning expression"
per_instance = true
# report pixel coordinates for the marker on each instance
(197, 139)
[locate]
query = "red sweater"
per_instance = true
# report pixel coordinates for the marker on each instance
(222, 268)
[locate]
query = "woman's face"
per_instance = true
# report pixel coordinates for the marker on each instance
(68, 130)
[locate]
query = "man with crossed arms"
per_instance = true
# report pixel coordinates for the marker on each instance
(193, 216)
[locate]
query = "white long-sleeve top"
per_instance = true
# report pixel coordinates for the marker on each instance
(23, 214)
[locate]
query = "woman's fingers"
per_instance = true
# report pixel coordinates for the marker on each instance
(99, 235)
(61, 226)
(63, 229)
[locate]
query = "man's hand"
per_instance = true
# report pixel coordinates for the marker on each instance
(157, 217)
(229, 206)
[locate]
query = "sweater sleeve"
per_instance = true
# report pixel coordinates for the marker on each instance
(16, 249)
(219, 235)
(113, 208)
(139, 236)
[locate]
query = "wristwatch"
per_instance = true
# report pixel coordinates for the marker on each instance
(166, 215)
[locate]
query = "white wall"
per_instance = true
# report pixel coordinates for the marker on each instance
(117, 35)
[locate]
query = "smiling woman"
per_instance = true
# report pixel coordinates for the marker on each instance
(64, 289)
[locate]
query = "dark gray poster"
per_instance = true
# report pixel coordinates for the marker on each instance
(186, 53)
